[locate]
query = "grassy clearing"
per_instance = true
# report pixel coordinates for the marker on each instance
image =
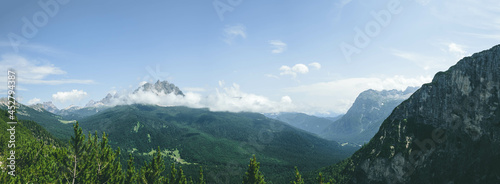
(67, 121)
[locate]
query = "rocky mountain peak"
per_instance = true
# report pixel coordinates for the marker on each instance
(366, 115)
(160, 87)
(48, 106)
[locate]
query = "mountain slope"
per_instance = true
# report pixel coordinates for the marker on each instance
(446, 132)
(53, 123)
(303, 121)
(365, 116)
(221, 140)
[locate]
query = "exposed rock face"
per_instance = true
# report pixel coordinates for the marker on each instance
(49, 106)
(160, 87)
(446, 132)
(365, 116)
(107, 99)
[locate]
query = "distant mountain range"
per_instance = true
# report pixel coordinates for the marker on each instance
(355, 128)
(358, 125)
(305, 122)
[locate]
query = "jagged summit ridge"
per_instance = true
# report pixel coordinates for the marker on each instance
(366, 115)
(160, 87)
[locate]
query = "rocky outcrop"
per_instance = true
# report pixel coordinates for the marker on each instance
(448, 131)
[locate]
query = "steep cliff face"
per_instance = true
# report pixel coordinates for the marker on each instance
(448, 131)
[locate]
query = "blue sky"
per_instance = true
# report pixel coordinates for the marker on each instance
(313, 57)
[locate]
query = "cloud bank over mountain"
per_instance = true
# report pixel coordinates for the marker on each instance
(226, 98)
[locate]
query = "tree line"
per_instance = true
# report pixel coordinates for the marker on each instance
(90, 159)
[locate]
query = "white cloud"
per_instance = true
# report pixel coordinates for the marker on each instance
(286, 100)
(293, 71)
(272, 76)
(33, 101)
(338, 95)
(232, 32)
(278, 46)
(234, 100)
(300, 68)
(315, 65)
(456, 49)
(35, 72)
(224, 99)
(73, 95)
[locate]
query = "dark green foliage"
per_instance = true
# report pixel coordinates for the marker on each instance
(49, 121)
(33, 162)
(320, 178)
(173, 174)
(131, 174)
(298, 177)
(201, 180)
(152, 171)
(40, 133)
(253, 174)
(181, 177)
(87, 159)
(220, 141)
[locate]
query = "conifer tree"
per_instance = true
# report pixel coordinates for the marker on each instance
(130, 176)
(152, 171)
(77, 148)
(173, 174)
(201, 180)
(191, 180)
(253, 175)
(298, 177)
(106, 166)
(320, 178)
(182, 178)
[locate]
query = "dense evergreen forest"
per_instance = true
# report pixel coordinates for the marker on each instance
(42, 158)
